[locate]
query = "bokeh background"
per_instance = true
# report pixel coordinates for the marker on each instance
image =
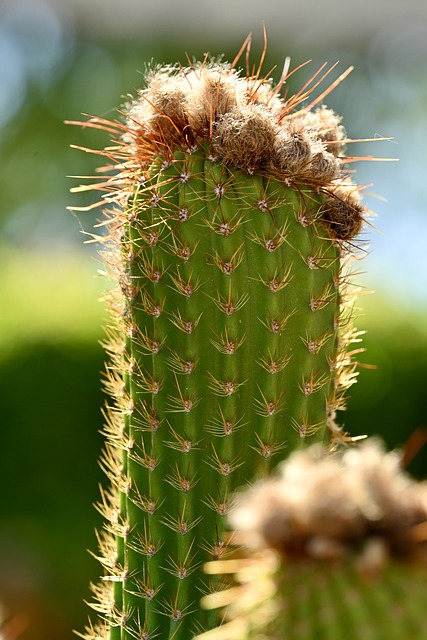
(62, 58)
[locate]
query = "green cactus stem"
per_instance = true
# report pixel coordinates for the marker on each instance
(230, 223)
(336, 547)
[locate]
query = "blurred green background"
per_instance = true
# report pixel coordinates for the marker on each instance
(61, 59)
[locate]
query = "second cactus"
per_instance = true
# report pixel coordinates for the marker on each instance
(232, 218)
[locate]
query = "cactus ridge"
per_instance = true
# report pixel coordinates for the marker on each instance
(233, 218)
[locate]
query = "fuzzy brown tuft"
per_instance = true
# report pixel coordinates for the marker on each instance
(328, 126)
(343, 215)
(324, 167)
(244, 136)
(161, 110)
(292, 152)
(212, 93)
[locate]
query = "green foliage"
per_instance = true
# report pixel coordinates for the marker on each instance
(50, 366)
(43, 299)
(50, 417)
(389, 399)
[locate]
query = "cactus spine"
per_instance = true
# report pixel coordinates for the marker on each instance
(232, 214)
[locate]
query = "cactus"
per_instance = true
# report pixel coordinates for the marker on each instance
(230, 224)
(335, 546)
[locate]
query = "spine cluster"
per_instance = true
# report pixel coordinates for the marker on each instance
(233, 216)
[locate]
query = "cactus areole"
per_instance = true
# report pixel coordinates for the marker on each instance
(231, 216)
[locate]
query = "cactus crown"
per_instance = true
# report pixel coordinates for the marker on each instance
(247, 125)
(232, 220)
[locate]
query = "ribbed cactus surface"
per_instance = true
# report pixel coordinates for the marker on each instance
(232, 214)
